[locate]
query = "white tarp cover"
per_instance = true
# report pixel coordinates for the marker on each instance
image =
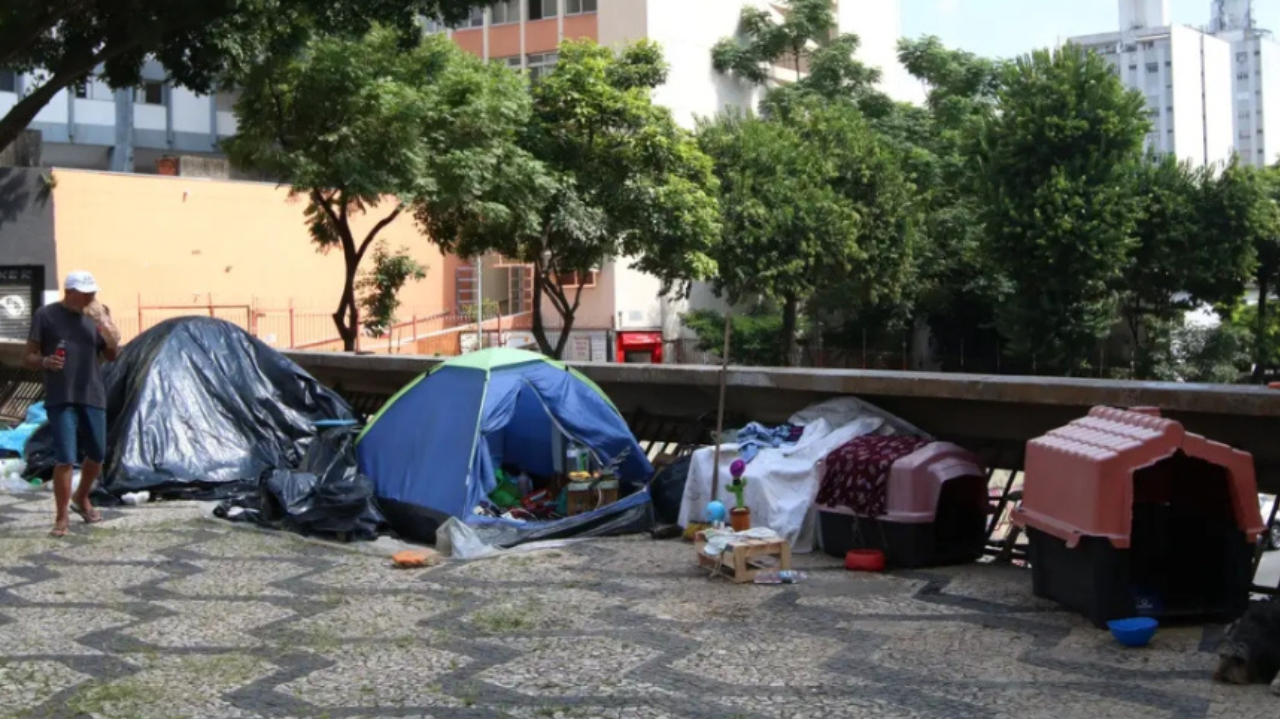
(782, 482)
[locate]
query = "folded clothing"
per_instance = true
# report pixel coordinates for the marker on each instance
(857, 473)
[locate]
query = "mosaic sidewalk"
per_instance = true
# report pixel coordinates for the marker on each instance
(158, 612)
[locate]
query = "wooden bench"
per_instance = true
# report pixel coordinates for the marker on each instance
(19, 389)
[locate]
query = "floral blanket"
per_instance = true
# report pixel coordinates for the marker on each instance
(857, 473)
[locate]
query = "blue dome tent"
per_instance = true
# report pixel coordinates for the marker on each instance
(433, 448)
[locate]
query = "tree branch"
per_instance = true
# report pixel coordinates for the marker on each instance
(382, 224)
(41, 20)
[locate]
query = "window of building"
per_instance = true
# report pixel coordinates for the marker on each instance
(476, 19)
(150, 92)
(1242, 57)
(434, 26)
(1133, 68)
(8, 81)
(81, 89)
(543, 9)
(579, 7)
(1153, 67)
(1242, 76)
(507, 11)
(575, 279)
(541, 64)
(512, 62)
(224, 100)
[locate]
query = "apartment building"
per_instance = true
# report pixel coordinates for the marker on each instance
(94, 127)
(1183, 74)
(1255, 78)
(1212, 92)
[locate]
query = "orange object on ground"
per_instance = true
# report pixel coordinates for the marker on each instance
(413, 560)
(1080, 478)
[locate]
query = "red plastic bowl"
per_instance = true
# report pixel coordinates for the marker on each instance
(864, 560)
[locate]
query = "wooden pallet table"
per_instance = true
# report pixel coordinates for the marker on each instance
(740, 561)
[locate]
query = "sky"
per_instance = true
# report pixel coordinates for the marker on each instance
(1005, 28)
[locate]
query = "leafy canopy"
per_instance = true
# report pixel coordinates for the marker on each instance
(1059, 216)
(361, 128)
(813, 202)
(201, 43)
(600, 172)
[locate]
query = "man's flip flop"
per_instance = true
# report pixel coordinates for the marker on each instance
(88, 518)
(58, 532)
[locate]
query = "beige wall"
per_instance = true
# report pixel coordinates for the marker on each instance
(180, 241)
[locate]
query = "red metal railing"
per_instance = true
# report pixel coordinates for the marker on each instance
(291, 327)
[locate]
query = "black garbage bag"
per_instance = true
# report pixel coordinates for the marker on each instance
(667, 489)
(197, 407)
(325, 494)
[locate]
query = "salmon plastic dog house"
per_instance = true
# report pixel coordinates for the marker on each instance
(934, 513)
(1128, 513)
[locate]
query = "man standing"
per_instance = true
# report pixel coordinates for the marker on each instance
(68, 340)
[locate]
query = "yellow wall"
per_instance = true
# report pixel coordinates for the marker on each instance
(179, 241)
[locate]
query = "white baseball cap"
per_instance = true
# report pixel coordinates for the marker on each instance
(81, 282)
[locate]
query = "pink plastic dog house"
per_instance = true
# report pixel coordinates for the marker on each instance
(1128, 513)
(935, 510)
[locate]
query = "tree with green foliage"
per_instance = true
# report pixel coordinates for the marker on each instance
(362, 128)
(806, 41)
(1182, 257)
(1216, 355)
(755, 335)
(201, 43)
(601, 173)
(1059, 216)
(956, 292)
(379, 288)
(812, 200)
(1244, 207)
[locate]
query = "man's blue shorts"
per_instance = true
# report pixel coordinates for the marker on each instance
(77, 426)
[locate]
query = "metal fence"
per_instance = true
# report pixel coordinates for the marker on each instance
(292, 327)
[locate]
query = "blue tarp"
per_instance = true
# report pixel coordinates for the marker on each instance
(14, 441)
(435, 446)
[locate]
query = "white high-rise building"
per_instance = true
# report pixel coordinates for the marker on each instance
(1255, 83)
(1182, 72)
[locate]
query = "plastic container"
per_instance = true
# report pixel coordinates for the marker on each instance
(1133, 632)
(935, 512)
(864, 560)
(1128, 514)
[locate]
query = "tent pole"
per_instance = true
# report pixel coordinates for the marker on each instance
(724, 375)
(479, 302)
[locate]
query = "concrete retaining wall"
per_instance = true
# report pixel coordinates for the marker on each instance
(992, 414)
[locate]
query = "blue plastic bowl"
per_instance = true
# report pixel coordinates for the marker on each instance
(1135, 632)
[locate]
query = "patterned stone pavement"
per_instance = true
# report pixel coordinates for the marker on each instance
(159, 612)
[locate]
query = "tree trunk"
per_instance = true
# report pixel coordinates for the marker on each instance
(539, 330)
(346, 318)
(1260, 328)
(789, 308)
(563, 341)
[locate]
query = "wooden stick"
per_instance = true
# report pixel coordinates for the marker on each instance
(724, 376)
